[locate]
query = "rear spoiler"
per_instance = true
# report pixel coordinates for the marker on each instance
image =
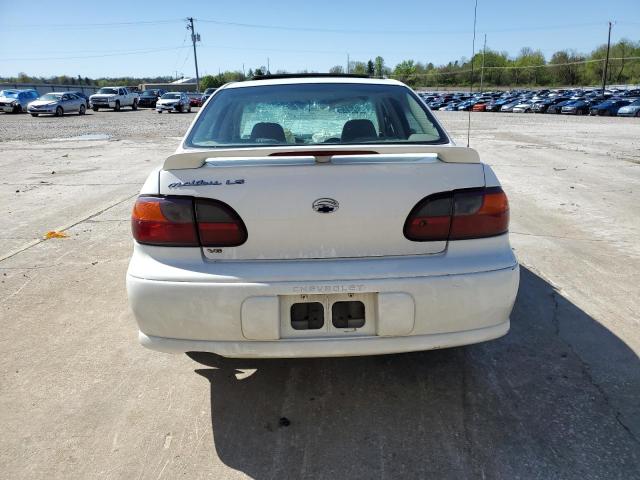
(322, 153)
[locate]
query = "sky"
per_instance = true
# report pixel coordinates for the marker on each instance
(124, 38)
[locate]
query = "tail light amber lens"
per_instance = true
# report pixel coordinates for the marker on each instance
(164, 221)
(479, 214)
(459, 215)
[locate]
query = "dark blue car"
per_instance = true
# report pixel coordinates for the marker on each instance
(608, 107)
(557, 107)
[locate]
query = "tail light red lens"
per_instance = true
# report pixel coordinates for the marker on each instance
(430, 220)
(219, 225)
(186, 222)
(459, 215)
(164, 221)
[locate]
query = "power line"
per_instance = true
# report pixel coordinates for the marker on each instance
(110, 54)
(140, 23)
(393, 32)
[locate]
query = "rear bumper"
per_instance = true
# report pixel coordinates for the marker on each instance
(334, 347)
(237, 309)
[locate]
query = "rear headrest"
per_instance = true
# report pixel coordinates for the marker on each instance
(272, 131)
(358, 129)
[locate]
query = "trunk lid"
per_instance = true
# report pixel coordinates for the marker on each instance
(297, 208)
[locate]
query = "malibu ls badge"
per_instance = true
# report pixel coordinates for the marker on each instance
(325, 205)
(206, 183)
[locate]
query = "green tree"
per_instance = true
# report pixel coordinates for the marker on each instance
(209, 81)
(405, 71)
(370, 68)
(336, 69)
(379, 66)
(568, 71)
(358, 68)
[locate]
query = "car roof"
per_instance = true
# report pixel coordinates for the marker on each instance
(312, 79)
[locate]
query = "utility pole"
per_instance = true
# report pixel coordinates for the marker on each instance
(348, 62)
(195, 37)
(268, 72)
(606, 62)
(484, 49)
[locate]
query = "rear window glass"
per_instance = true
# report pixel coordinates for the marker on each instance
(314, 114)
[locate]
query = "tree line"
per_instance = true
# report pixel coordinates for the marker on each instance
(528, 68)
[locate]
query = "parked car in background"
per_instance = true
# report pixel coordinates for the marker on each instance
(195, 99)
(173, 102)
(557, 107)
(543, 105)
(608, 107)
(631, 110)
(207, 93)
(57, 103)
(508, 107)
(263, 235)
(577, 107)
(114, 97)
(148, 98)
(479, 107)
(16, 101)
(496, 104)
(523, 107)
(84, 96)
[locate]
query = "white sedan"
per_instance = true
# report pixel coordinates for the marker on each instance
(173, 102)
(320, 216)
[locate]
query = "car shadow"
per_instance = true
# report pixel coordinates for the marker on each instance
(555, 398)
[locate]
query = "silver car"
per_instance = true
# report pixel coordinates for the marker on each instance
(173, 102)
(16, 101)
(631, 110)
(57, 103)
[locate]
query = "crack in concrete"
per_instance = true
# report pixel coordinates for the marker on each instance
(586, 370)
(65, 227)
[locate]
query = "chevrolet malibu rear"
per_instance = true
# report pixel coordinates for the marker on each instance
(320, 216)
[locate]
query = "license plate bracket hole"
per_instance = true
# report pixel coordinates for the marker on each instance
(348, 314)
(307, 316)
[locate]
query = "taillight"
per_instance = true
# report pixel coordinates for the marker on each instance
(477, 214)
(186, 222)
(164, 221)
(430, 219)
(459, 215)
(218, 224)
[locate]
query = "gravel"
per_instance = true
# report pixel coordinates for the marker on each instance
(143, 123)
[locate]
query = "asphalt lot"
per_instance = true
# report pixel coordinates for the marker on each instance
(558, 397)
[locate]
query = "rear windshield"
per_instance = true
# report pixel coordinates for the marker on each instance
(170, 96)
(314, 114)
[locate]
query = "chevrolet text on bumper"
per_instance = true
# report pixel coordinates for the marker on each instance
(305, 221)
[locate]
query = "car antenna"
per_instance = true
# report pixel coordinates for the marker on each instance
(473, 53)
